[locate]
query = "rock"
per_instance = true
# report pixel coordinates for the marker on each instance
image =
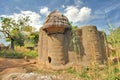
(31, 76)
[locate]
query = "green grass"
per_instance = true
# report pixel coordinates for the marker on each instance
(111, 72)
(10, 54)
(16, 54)
(31, 54)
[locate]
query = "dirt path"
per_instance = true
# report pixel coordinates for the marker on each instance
(8, 66)
(10, 63)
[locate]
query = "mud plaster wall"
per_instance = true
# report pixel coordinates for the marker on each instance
(53, 48)
(43, 46)
(91, 46)
(58, 49)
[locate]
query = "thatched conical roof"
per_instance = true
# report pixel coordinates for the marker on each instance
(55, 21)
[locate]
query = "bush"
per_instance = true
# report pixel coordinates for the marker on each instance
(10, 54)
(19, 52)
(31, 54)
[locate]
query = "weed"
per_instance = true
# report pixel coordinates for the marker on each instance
(84, 74)
(71, 70)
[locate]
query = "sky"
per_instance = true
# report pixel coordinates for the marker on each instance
(80, 12)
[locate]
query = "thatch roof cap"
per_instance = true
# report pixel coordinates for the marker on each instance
(56, 19)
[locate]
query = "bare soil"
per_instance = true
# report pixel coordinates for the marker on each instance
(9, 66)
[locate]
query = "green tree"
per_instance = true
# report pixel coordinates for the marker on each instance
(32, 39)
(12, 30)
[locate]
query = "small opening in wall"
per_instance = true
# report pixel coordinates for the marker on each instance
(49, 59)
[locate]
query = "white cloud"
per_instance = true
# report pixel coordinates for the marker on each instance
(44, 11)
(18, 8)
(34, 17)
(78, 3)
(99, 11)
(63, 6)
(113, 7)
(75, 14)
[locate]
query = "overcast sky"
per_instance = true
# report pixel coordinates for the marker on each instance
(80, 12)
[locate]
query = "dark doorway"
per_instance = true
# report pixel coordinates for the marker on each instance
(49, 59)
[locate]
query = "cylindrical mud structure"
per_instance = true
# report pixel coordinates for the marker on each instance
(56, 51)
(43, 46)
(92, 45)
(102, 46)
(54, 39)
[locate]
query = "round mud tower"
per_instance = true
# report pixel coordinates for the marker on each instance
(54, 39)
(56, 52)
(43, 46)
(92, 45)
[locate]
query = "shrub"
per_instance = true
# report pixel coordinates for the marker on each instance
(31, 54)
(10, 54)
(19, 52)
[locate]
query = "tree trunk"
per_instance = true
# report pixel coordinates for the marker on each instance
(12, 44)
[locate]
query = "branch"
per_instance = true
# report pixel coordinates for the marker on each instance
(5, 32)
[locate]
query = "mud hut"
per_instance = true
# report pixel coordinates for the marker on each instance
(54, 39)
(91, 47)
(56, 48)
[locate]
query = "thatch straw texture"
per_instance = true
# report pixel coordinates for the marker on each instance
(56, 22)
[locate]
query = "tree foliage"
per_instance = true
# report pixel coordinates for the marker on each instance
(32, 39)
(13, 30)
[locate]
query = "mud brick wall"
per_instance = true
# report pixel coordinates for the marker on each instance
(53, 48)
(91, 46)
(54, 40)
(56, 51)
(56, 48)
(102, 46)
(43, 46)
